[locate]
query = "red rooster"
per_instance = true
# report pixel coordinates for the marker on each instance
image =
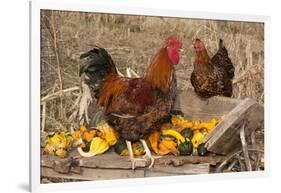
(212, 76)
(134, 106)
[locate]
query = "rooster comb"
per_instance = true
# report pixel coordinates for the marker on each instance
(173, 41)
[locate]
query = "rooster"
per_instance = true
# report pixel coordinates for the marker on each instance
(212, 76)
(134, 106)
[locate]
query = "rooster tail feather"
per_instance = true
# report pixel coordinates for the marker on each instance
(98, 64)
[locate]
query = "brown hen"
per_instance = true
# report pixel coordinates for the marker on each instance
(212, 76)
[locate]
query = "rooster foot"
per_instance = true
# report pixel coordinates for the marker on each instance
(141, 162)
(136, 162)
(148, 156)
(149, 159)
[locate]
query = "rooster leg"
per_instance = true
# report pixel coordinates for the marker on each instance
(147, 153)
(135, 161)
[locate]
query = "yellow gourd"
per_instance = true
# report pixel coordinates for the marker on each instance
(98, 146)
(107, 133)
(209, 125)
(175, 134)
(138, 149)
(180, 121)
(197, 139)
(59, 144)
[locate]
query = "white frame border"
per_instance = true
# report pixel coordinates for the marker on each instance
(34, 101)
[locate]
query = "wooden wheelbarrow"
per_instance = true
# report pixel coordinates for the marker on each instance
(234, 136)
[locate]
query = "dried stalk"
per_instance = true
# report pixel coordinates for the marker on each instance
(75, 109)
(43, 121)
(128, 72)
(119, 73)
(250, 71)
(58, 94)
(61, 110)
(134, 73)
(86, 99)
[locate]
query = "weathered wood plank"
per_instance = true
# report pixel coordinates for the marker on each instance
(111, 160)
(187, 169)
(181, 160)
(225, 137)
(230, 119)
(195, 107)
(94, 174)
(106, 174)
(107, 160)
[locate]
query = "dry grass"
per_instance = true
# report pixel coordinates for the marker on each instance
(132, 41)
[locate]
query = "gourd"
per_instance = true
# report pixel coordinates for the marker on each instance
(187, 133)
(121, 148)
(202, 149)
(97, 146)
(185, 148)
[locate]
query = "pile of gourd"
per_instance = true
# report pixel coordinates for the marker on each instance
(178, 137)
(89, 142)
(182, 137)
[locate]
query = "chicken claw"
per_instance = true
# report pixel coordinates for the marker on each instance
(148, 155)
(136, 162)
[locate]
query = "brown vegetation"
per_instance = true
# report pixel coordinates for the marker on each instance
(132, 41)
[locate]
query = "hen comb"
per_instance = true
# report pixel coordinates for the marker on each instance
(196, 40)
(198, 44)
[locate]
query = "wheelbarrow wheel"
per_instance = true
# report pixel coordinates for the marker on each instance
(236, 162)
